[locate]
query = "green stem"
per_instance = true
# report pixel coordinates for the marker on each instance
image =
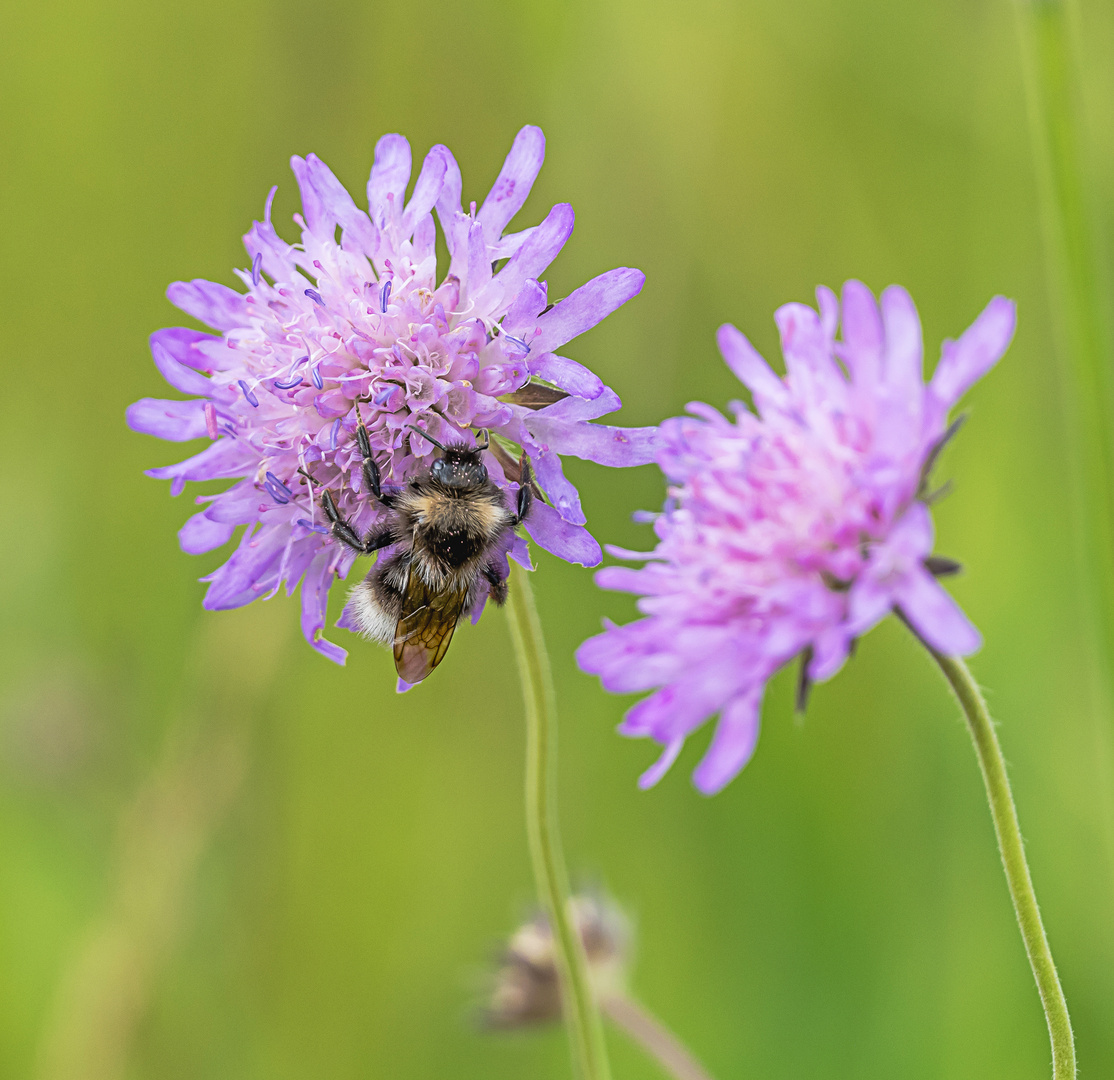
(654, 1037)
(580, 1008)
(1013, 859)
(1082, 335)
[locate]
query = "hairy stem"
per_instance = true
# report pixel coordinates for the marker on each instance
(580, 1009)
(1013, 859)
(654, 1037)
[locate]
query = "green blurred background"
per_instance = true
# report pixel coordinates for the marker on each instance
(223, 857)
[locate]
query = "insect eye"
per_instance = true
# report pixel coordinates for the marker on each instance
(437, 469)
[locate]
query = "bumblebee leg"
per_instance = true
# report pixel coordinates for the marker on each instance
(340, 528)
(376, 539)
(371, 470)
(498, 583)
(525, 494)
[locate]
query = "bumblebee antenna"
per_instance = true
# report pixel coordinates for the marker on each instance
(426, 435)
(487, 439)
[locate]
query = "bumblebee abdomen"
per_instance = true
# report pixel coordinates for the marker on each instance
(375, 602)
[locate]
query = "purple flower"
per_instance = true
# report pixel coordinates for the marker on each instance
(793, 530)
(329, 322)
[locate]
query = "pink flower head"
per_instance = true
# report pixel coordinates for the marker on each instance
(355, 313)
(794, 529)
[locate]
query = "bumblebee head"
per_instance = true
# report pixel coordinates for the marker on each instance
(460, 465)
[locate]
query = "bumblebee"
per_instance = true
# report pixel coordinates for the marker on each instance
(450, 523)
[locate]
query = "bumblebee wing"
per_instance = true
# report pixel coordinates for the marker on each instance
(426, 622)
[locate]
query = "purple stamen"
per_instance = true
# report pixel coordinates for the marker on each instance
(315, 375)
(253, 401)
(299, 362)
(382, 397)
(295, 381)
(256, 265)
(275, 480)
(313, 528)
(275, 493)
(333, 434)
(384, 296)
(315, 296)
(519, 342)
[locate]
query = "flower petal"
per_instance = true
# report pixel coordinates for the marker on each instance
(912, 535)
(808, 353)
(514, 182)
(177, 421)
(682, 706)
(249, 572)
(568, 375)
(520, 552)
(829, 652)
(184, 345)
(868, 604)
(277, 255)
(550, 531)
(562, 494)
(828, 304)
(478, 272)
(936, 616)
(238, 505)
(182, 378)
(586, 307)
(732, 745)
(904, 350)
(529, 302)
(215, 305)
(390, 173)
(315, 597)
(979, 348)
(316, 217)
(225, 458)
(664, 763)
(332, 205)
(510, 244)
(628, 659)
(862, 333)
(578, 408)
(537, 253)
(601, 443)
(200, 534)
(427, 189)
(454, 223)
(750, 368)
(626, 579)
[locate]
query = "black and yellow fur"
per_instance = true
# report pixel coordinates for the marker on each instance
(448, 526)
